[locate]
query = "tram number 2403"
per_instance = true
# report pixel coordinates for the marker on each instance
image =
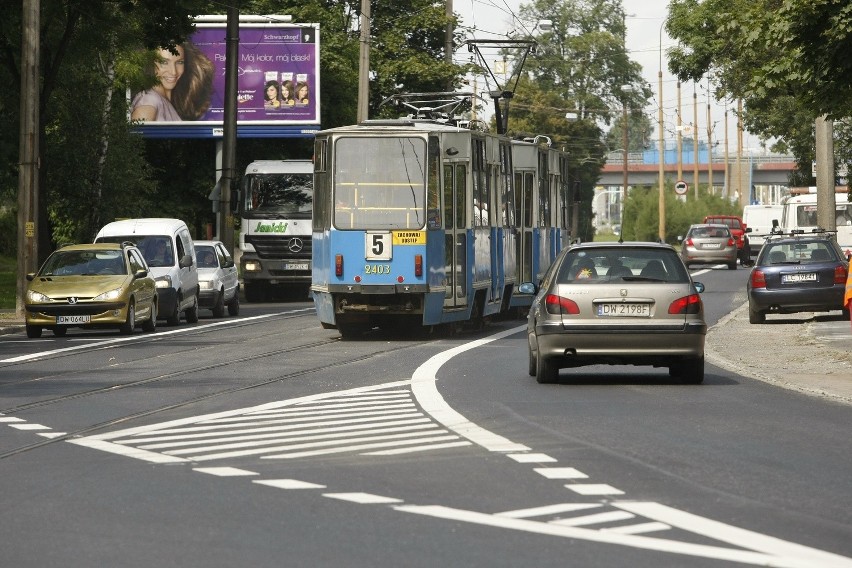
(377, 269)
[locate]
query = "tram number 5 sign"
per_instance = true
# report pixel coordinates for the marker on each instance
(681, 187)
(377, 246)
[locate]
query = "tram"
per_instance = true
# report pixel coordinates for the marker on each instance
(421, 223)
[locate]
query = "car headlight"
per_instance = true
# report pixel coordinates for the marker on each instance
(251, 266)
(205, 284)
(164, 282)
(33, 296)
(106, 296)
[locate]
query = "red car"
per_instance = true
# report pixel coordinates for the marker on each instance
(738, 228)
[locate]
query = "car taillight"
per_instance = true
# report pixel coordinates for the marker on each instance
(731, 242)
(687, 305)
(418, 265)
(689, 242)
(558, 305)
(758, 279)
(840, 275)
(338, 265)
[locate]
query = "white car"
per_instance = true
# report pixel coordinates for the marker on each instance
(217, 278)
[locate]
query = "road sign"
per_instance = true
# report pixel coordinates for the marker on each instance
(681, 187)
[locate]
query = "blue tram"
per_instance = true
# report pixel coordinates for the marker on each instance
(419, 223)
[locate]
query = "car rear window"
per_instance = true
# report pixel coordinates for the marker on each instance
(605, 264)
(799, 253)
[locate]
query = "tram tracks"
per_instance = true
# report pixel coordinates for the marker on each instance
(181, 403)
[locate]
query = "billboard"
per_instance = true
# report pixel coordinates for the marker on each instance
(278, 84)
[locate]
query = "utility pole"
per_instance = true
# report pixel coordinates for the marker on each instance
(695, 140)
(825, 173)
(726, 186)
(28, 151)
(679, 136)
(742, 198)
(364, 64)
(448, 43)
(709, 144)
(229, 150)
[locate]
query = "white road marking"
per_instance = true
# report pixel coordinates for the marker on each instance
(423, 448)
(52, 434)
(560, 473)
(9, 419)
(548, 510)
(358, 448)
(363, 498)
(531, 458)
(29, 426)
(288, 484)
(638, 528)
(825, 560)
(423, 385)
(224, 471)
(594, 489)
(595, 519)
(134, 337)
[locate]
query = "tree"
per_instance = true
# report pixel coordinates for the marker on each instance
(787, 60)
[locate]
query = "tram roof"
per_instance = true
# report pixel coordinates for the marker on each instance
(390, 125)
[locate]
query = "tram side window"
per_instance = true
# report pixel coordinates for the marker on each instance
(433, 187)
(448, 197)
(507, 199)
(527, 214)
(461, 177)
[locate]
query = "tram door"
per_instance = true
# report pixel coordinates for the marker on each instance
(455, 235)
(524, 187)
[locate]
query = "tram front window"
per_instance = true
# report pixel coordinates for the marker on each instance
(380, 183)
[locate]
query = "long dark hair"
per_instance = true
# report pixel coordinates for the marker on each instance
(191, 95)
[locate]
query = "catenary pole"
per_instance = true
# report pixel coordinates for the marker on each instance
(28, 175)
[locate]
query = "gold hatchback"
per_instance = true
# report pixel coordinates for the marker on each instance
(91, 285)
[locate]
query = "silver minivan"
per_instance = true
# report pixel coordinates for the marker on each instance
(168, 249)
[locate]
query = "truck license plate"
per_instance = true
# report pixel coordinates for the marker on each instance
(297, 266)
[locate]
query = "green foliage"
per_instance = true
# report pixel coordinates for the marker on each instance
(642, 207)
(787, 60)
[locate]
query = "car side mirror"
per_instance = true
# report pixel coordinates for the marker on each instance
(30, 276)
(527, 288)
(141, 273)
(699, 287)
(185, 261)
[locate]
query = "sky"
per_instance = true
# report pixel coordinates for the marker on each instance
(492, 19)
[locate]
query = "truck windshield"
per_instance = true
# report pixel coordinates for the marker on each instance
(379, 183)
(276, 194)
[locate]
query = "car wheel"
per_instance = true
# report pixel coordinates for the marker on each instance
(192, 313)
(755, 316)
(130, 323)
(219, 308)
(690, 371)
(732, 265)
(532, 365)
(174, 317)
(234, 305)
(545, 370)
(151, 324)
(33, 331)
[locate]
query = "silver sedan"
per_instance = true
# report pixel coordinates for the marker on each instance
(617, 304)
(709, 244)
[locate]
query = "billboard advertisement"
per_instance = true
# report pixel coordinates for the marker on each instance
(278, 84)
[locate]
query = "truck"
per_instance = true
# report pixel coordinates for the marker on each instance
(758, 220)
(800, 213)
(275, 228)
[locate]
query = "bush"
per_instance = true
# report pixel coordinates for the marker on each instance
(641, 212)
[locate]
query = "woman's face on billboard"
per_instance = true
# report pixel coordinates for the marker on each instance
(170, 67)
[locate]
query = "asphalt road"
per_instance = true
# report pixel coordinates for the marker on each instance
(265, 440)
